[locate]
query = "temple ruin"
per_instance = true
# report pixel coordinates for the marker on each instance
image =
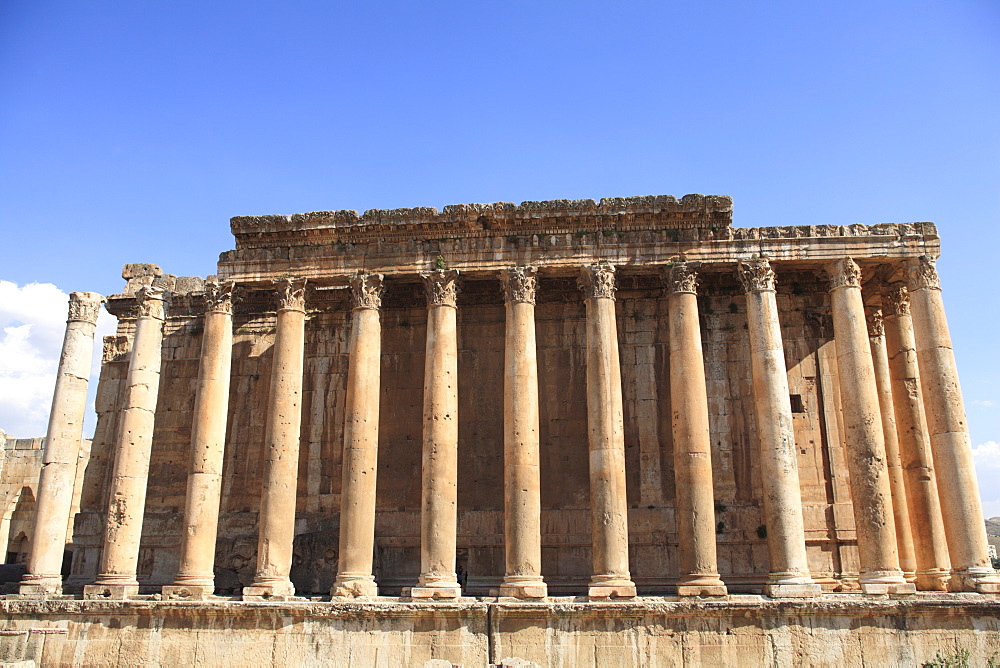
(434, 431)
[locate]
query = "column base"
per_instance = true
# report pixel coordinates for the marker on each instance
(885, 582)
(981, 580)
(110, 592)
(802, 590)
(177, 592)
(40, 586)
(278, 590)
(933, 579)
(524, 588)
(354, 587)
(611, 586)
(702, 584)
(437, 591)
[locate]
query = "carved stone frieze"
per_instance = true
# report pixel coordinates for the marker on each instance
(896, 299)
(681, 277)
(597, 281)
(84, 307)
(876, 326)
(519, 284)
(219, 297)
(366, 290)
(756, 275)
(116, 347)
(921, 274)
(291, 293)
(150, 302)
(441, 286)
(844, 273)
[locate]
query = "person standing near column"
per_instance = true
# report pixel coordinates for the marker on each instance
(522, 481)
(865, 442)
(196, 574)
(949, 433)
(439, 470)
(355, 577)
(606, 431)
(127, 500)
(62, 448)
(786, 540)
(281, 442)
(699, 570)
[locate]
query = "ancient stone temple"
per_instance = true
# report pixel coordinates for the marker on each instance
(556, 431)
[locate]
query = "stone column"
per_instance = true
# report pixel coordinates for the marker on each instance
(62, 447)
(606, 435)
(897, 486)
(196, 574)
(127, 500)
(866, 459)
(924, 506)
(357, 495)
(439, 497)
(281, 441)
(786, 539)
(949, 434)
(699, 570)
(522, 482)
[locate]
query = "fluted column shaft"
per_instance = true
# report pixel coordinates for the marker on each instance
(924, 506)
(357, 507)
(276, 524)
(606, 436)
(699, 570)
(522, 480)
(897, 485)
(786, 541)
(439, 470)
(196, 573)
(866, 459)
(949, 434)
(127, 499)
(62, 448)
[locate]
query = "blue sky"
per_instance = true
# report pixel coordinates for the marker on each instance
(131, 132)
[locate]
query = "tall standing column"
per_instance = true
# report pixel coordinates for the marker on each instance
(786, 539)
(357, 507)
(522, 482)
(949, 434)
(62, 447)
(866, 460)
(930, 542)
(897, 486)
(699, 570)
(281, 441)
(196, 574)
(127, 500)
(439, 496)
(606, 435)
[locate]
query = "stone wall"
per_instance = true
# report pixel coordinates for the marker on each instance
(835, 630)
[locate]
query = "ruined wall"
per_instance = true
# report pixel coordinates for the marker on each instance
(643, 332)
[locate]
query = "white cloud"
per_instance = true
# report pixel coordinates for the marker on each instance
(987, 458)
(32, 323)
(984, 403)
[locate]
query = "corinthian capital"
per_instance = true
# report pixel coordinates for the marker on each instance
(441, 286)
(597, 280)
(219, 297)
(896, 299)
(519, 284)
(876, 327)
(84, 307)
(291, 294)
(366, 290)
(844, 273)
(681, 277)
(756, 275)
(150, 300)
(921, 274)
